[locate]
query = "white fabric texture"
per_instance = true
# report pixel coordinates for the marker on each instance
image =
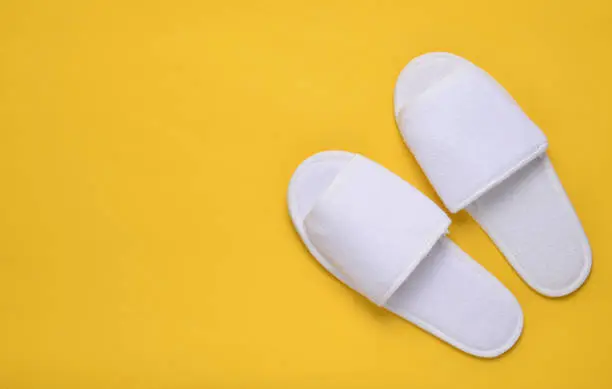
(481, 152)
(374, 228)
(366, 223)
(461, 297)
(468, 134)
(532, 221)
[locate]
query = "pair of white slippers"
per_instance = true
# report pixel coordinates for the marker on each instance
(386, 240)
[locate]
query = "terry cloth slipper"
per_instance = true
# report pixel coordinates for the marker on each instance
(482, 153)
(386, 240)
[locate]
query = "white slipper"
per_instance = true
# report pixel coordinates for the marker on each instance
(385, 239)
(482, 153)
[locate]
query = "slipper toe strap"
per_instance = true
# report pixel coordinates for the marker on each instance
(374, 228)
(468, 134)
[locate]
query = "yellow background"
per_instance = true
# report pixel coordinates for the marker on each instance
(145, 151)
